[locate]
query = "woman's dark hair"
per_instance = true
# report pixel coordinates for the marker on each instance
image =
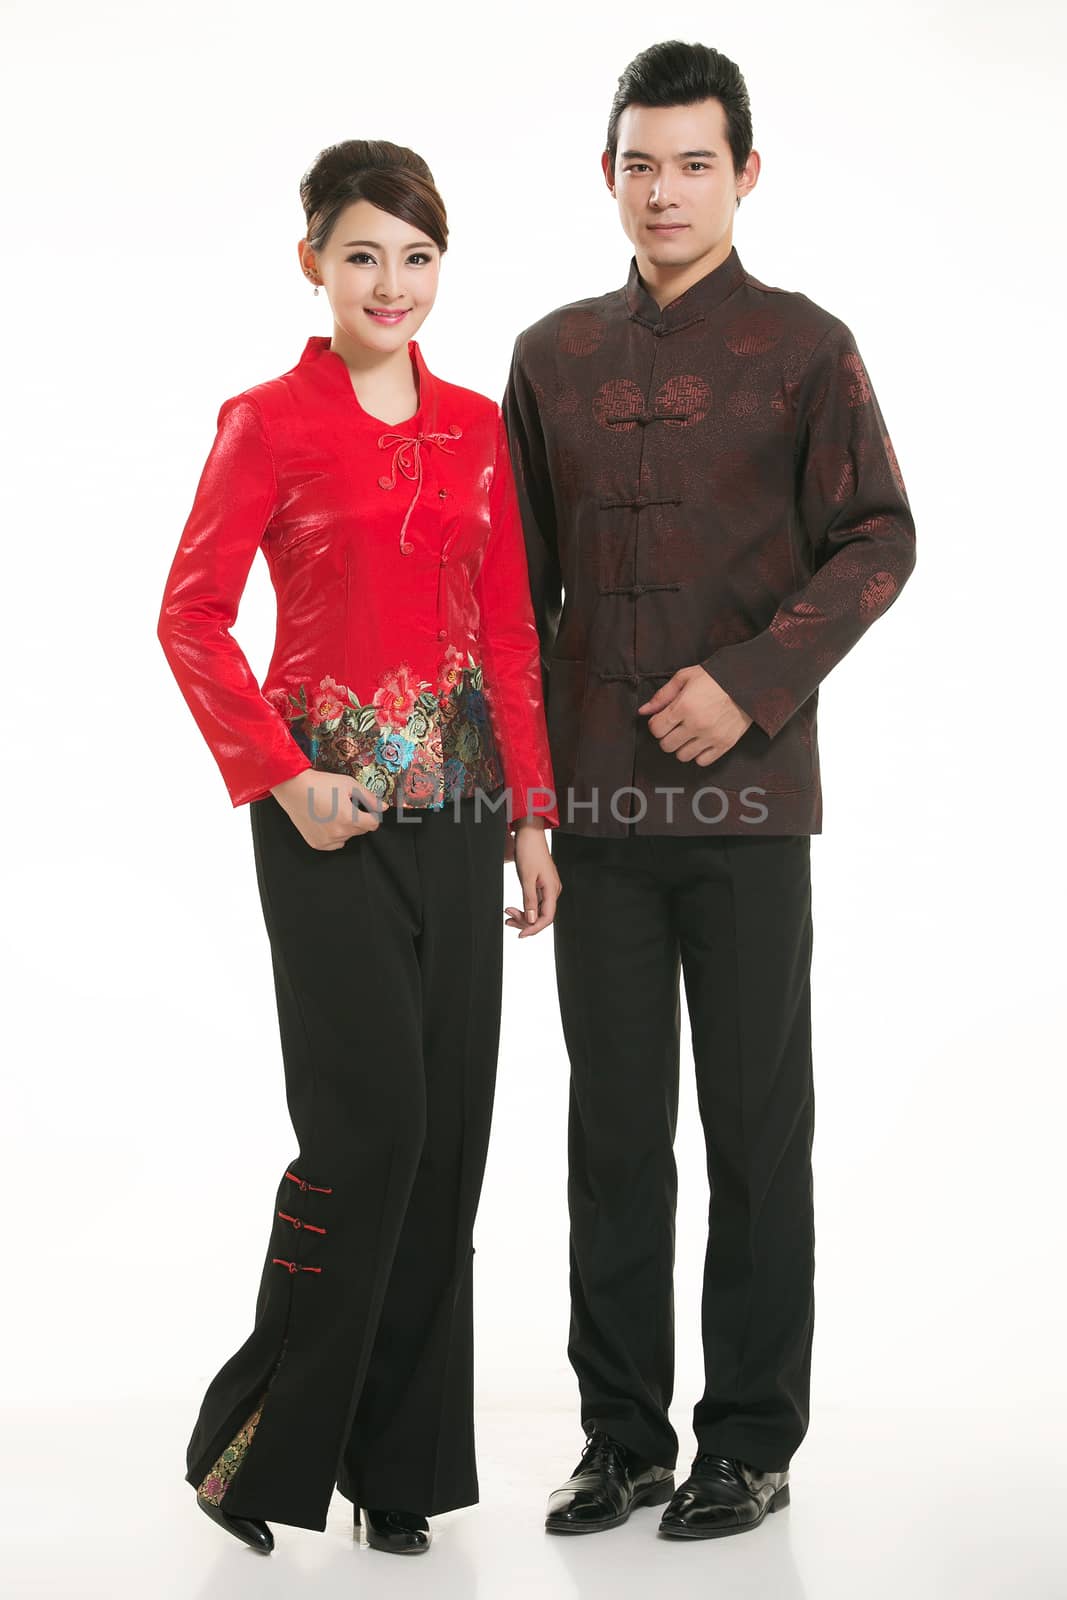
(390, 176)
(677, 74)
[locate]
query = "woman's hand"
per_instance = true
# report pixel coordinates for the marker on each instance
(326, 808)
(541, 887)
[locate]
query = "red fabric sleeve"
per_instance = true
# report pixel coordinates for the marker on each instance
(232, 507)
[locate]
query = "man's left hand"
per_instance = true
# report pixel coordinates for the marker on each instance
(694, 718)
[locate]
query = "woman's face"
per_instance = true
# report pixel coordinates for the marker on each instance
(379, 273)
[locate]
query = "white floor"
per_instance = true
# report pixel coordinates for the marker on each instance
(883, 1505)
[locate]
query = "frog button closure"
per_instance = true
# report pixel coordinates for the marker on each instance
(407, 459)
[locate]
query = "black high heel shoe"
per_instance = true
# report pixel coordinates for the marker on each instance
(403, 1533)
(249, 1529)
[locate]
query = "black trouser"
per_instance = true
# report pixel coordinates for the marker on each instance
(387, 959)
(734, 915)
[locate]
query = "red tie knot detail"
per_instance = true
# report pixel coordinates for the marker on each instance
(303, 1184)
(298, 1222)
(407, 457)
(293, 1266)
(407, 461)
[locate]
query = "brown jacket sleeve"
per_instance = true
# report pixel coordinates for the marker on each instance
(530, 465)
(855, 540)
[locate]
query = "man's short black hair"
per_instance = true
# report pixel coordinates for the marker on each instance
(677, 74)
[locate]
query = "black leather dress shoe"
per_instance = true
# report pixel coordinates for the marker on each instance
(402, 1533)
(608, 1482)
(723, 1495)
(249, 1529)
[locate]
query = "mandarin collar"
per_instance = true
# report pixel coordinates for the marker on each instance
(693, 305)
(318, 357)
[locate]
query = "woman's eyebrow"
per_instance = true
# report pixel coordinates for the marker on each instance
(420, 243)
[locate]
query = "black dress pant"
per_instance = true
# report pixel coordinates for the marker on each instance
(358, 1371)
(733, 916)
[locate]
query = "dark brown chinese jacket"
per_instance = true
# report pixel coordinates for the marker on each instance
(708, 483)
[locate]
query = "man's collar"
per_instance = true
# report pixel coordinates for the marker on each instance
(690, 306)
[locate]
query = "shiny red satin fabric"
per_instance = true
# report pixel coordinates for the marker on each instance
(406, 652)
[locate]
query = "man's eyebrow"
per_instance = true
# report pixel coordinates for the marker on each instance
(419, 244)
(684, 155)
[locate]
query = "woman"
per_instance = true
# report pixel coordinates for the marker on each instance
(398, 738)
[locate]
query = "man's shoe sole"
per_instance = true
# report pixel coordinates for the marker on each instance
(657, 1494)
(780, 1501)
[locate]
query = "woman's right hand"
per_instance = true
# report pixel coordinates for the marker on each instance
(327, 808)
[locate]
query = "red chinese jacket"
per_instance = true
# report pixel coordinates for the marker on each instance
(406, 653)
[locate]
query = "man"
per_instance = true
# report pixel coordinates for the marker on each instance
(714, 515)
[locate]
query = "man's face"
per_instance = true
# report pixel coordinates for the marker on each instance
(674, 181)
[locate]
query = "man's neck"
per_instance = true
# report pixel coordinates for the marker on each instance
(665, 284)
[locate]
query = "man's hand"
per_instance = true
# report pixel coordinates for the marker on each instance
(694, 718)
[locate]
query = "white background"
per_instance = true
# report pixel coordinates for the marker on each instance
(911, 184)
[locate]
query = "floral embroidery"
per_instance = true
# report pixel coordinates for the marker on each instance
(215, 1482)
(397, 695)
(414, 743)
